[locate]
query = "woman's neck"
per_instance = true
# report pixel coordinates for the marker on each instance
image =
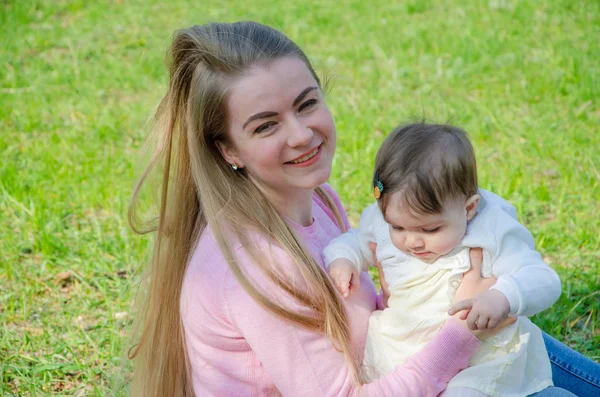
(295, 205)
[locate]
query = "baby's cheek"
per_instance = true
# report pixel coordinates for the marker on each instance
(447, 244)
(397, 241)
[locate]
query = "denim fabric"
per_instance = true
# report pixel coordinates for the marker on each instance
(571, 370)
(553, 392)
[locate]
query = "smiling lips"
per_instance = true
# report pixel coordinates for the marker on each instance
(305, 158)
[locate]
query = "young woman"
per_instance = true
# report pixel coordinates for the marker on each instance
(239, 302)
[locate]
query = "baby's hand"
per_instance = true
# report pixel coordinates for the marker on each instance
(484, 311)
(345, 275)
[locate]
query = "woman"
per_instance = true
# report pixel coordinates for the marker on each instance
(237, 286)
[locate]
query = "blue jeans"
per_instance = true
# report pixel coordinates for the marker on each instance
(570, 371)
(553, 392)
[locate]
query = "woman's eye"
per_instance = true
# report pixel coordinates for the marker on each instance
(264, 127)
(307, 104)
(398, 228)
(431, 230)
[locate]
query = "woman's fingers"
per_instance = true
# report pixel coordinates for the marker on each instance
(493, 331)
(382, 282)
(476, 256)
(472, 283)
(476, 271)
(384, 285)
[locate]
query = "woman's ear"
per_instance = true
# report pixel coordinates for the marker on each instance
(471, 206)
(229, 154)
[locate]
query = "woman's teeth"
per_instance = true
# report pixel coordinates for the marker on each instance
(307, 157)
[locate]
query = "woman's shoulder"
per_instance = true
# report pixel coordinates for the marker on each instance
(330, 191)
(208, 266)
(209, 286)
(206, 273)
(207, 261)
(335, 198)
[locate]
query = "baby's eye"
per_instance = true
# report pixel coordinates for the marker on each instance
(431, 230)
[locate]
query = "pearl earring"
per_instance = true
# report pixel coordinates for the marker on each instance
(234, 166)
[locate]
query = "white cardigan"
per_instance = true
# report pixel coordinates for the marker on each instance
(509, 254)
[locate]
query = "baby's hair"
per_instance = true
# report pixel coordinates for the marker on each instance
(429, 163)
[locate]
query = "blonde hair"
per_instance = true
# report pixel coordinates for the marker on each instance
(197, 188)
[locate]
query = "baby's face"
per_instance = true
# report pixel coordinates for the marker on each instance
(427, 237)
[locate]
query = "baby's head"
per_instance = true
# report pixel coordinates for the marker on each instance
(426, 185)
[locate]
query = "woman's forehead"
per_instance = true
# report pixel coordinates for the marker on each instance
(269, 85)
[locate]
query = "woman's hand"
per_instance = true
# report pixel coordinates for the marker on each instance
(472, 282)
(480, 309)
(384, 285)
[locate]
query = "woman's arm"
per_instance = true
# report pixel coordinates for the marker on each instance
(305, 363)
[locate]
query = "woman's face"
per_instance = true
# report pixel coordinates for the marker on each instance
(280, 129)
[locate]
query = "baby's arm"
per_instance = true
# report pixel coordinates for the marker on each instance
(529, 284)
(348, 254)
(525, 286)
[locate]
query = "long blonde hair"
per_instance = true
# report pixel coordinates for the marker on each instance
(196, 191)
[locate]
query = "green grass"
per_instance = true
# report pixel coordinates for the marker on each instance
(79, 79)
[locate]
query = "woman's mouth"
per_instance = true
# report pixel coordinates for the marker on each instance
(307, 158)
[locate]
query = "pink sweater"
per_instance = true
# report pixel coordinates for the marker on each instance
(238, 348)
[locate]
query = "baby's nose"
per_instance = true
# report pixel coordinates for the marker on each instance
(414, 242)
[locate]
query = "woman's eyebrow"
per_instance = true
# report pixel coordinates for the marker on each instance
(264, 115)
(303, 94)
(261, 115)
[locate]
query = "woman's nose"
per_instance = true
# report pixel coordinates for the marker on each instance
(299, 134)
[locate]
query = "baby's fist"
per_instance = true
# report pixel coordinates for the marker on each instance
(345, 275)
(484, 311)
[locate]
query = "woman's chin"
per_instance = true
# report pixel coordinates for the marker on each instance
(321, 178)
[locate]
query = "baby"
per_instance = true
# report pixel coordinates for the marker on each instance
(429, 213)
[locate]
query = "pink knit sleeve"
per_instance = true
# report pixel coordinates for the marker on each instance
(428, 372)
(305, 363)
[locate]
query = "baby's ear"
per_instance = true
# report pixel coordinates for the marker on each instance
(471, 206)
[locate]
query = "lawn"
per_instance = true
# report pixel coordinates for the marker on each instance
(79, 80)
